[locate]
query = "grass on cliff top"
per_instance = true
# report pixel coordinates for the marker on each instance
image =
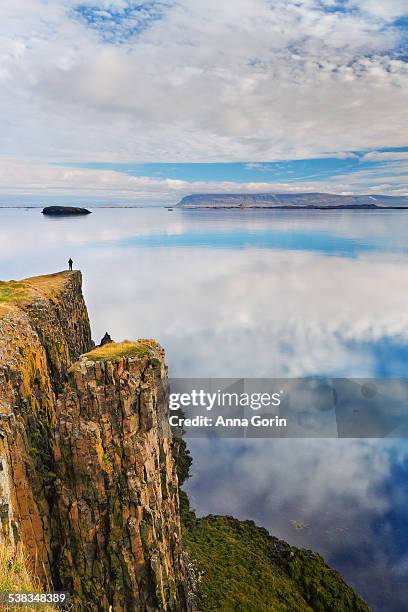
(13, 292)
(114, 351)
(48, 282)
(15, 576)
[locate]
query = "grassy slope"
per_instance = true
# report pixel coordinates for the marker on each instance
(237, 566)
(16, 577)
(14, 292)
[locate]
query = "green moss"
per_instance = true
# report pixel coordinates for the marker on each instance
(107, 464)
(114, 351)
(12, 292)
(236, 566)
(239, 566)
(183, 460)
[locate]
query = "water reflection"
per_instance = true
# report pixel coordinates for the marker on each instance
(255, 294)
(346, 499)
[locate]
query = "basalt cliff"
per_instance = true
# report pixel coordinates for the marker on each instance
(90, 476)
(88, 481)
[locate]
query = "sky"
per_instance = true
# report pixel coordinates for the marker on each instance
(117, 101)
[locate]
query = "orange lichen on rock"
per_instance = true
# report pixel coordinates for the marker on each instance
(119, 473)
(43, 327)
(87, 479)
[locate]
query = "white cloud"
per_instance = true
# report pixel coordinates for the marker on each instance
(208, 81)
(19, 180)
(386, 156)
(391, 9)
(343, 155)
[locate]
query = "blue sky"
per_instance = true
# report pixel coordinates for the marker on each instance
(149, 100)
(289, 171)
(118, 24)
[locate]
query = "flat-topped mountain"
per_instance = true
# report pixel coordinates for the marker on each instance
(317, 201)
(63, 211)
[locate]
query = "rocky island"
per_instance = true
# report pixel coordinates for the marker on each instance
(90, 477)
(308, 201)
(64, 211)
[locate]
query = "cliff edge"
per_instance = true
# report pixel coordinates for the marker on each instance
(90, 477)
(87, 481)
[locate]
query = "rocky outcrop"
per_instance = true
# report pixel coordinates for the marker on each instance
(116, 485)
(87, 476)
(64, 211)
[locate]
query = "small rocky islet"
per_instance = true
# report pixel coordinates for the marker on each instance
(64, 211)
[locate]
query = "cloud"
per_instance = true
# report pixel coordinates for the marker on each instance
(391, 9)
(385, 156)
(343, 155)
(31, 182)
(256, 166)
(204, 81)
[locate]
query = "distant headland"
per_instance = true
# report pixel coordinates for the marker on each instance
(62, 211)
(309, 201)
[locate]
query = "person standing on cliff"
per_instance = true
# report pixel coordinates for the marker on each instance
(70, 262)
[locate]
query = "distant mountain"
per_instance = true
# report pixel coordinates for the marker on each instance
(315, 201)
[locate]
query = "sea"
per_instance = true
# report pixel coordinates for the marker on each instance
(260, 294)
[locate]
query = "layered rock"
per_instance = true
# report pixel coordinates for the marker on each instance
(116, 483)
(44, 326)
(87, 477)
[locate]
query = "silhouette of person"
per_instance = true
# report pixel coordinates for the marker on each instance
(70, 262)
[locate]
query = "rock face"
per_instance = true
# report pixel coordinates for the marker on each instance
(87, 476)
(63, 211)
(44, 327)
(117, 486)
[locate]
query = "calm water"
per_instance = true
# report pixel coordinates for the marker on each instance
(261, 294)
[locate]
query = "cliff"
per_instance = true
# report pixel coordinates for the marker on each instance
(87, 481)
(90, 476)
(44, 327)
(116, 485)
(319, 201)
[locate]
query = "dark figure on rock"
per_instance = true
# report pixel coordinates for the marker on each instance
(106, 339)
